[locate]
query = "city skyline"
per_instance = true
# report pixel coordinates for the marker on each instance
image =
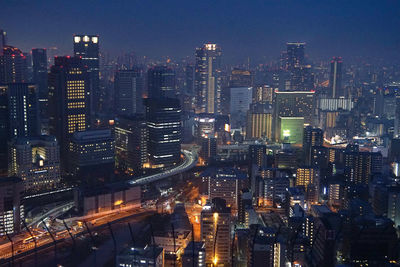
(258, 30)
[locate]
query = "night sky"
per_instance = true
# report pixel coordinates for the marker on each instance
(255, 28)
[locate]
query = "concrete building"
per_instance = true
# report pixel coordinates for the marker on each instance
(11, 205)
(36, 161)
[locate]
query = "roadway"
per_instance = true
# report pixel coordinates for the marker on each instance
(189, 161)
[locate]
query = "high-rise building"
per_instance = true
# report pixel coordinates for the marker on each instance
(295, 104)
(3, 40)
(240, 100)
(208, 148)
(335, 78)
(259, 122)
(91, 155)
(69, 101)
(11, 205)
(36, 160)
(161, 82)
(208, 79)
(163, 116)
(224, 183)
(21, 116)
(263, 94)
(357, 167)
(39, 61)
(241, 78)
(129, 89)
(311, 137)
(295, 55)
(393, 205)
(216, 232)
(131, 136)
(13, 66)
(87, 48)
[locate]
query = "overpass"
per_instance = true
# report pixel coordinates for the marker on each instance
(190, 160)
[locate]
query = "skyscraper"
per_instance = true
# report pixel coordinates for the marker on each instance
(13, 67)
(69, 100)
(259, 122)
(240, 100)
(163, 116)
(128, 92)
(21, 112)
(39, 60)
(295, 55)
(208, 79)
(161, 82)
(335, 78)
(87, 47)
(131, 136)
(11, 205)
(312, 137)
(3, 40)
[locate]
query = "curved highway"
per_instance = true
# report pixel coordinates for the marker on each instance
(190, 160)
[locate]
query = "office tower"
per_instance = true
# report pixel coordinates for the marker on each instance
(13, 66)
(241, 78)
(224, 183)
(161, 82)
(312, 137)
(294, 104)
(163, 116)
(294, 55)
(143, 257)
(358, 166)
(194, 255)
(301, 78)
(240, 100)
(259, 122)
(189, 80)
(21, 116)
(290, 130)
(69, 101)
(208, 148)
(40, 77)
(129, 89)
(335, 78)
(263, 94)
(91, 155)
(11, 205)
(215, 232)
(131, 136)
(256, 159)
(208, 79)
(36, 160)
(3, 41)
(393, 205)
(87, 48)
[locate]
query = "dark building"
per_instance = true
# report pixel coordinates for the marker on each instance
(163, 116)
(311, 137)
(129, 89)
(11, 205)
(335, 78)
(3, 40)
(21, 117)
(161, 82)
(295, 55)
(40, 77)
(131, 136)
(13, 66)
(194, 255)
(87, 48)
(69, 101)
(208, 148)
(91, 155)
